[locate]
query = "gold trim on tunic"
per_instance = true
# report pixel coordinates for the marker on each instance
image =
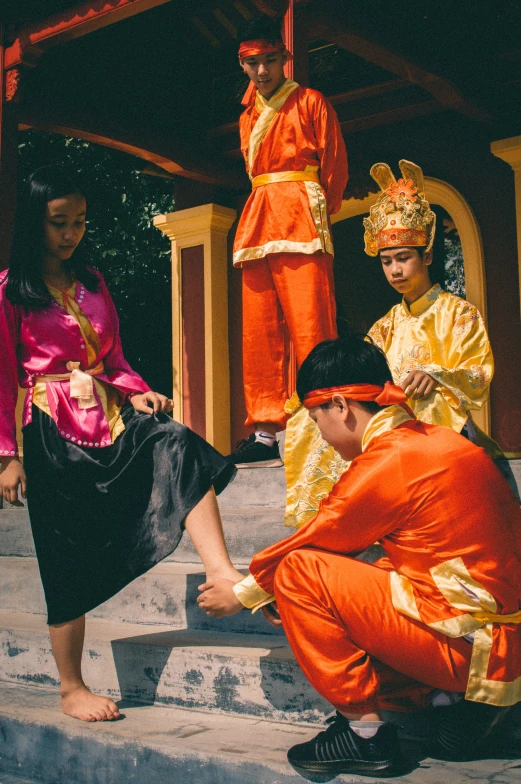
(108, 395)
(276, 246)
(267, 112)
(478, 607)
(251, 595)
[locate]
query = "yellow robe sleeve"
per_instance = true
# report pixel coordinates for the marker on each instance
(465, 377)
(447, 339)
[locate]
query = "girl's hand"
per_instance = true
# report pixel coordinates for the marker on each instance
(217, 598)
(152, 403)
(11, 477)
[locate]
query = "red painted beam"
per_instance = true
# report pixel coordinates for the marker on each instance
(75, 22)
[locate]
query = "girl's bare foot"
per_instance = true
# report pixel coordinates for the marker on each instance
(80, 703)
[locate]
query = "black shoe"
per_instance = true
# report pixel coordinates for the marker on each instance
(462, 729)
(250, 453)
(340, 750)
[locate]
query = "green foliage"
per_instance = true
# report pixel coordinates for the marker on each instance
(454, 268)
(132, 255)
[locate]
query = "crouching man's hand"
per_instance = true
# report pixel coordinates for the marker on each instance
(217, 598)
(271, 614)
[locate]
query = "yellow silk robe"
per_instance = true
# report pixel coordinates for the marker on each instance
(440, 334)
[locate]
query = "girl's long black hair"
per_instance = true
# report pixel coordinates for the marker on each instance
(25, 284)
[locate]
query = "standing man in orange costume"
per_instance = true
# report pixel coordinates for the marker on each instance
(296, 159)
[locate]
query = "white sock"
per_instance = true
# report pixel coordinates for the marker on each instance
(264, 438)
(366, 729)
(442, 699)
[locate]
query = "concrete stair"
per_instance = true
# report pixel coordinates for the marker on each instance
(205, 700)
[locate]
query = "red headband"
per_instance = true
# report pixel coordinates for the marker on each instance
(259, 46)
(387, 395)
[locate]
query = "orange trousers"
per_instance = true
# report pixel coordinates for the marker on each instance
(291, 287)
(356, 650)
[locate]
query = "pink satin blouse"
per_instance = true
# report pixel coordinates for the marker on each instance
(40, 342)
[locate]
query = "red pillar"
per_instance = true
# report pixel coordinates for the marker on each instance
(9, 81)
(297, 68)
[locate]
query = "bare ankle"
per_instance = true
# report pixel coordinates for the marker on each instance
(68, 688)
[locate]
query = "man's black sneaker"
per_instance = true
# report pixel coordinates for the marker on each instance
(250, 453)
(340, 750)
(463, 728)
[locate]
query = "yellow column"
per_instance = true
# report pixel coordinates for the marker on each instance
(207, 225)
(509, 150)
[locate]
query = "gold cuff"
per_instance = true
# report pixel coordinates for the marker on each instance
(251, 595)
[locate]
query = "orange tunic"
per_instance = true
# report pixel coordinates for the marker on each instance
(296, 130)
(454, 557)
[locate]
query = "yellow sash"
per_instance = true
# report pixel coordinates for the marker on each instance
(486, 617)
(82, 385)
(286, 176)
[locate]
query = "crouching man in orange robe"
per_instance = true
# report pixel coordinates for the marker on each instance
(296, 159)
(440, 612)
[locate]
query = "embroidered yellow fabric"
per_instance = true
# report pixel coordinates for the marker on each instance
(108, 395)
(312, 467)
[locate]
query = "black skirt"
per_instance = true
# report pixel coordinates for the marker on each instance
(102, 517)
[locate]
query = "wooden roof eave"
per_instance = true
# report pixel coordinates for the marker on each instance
(39, 36)
(173, 156)
(323, 23)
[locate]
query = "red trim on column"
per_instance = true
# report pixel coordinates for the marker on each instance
(296, 68)
(8, 163)
(192, 316)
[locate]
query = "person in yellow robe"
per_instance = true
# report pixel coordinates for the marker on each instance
(435, 342)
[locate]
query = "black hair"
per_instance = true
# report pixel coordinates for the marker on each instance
(348, 360)
(420, 248)
(25, 284)
(265, 28)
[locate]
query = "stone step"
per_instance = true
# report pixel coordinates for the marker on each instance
(241, 674)
(165, 596)
(256, 486)
(247, 530)
(161, 746)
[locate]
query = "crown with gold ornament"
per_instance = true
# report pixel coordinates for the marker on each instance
(401, 216)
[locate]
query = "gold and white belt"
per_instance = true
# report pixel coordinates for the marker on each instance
(309, 174)
(81, 383)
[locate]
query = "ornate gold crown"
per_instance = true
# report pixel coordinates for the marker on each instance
(401, 216)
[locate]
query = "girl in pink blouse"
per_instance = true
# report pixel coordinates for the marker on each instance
(111, 481)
